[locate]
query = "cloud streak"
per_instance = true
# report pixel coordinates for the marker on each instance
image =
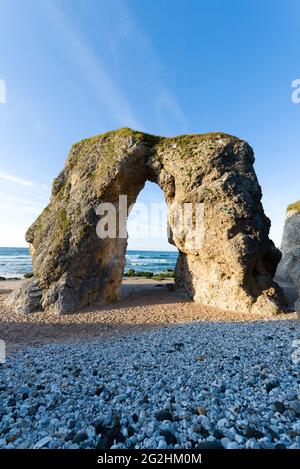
(22, 182)
(166, 108)
(16, 179)
(126, 32)
(106, 89)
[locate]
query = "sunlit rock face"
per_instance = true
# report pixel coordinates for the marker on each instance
(288, 271)
(231, 268)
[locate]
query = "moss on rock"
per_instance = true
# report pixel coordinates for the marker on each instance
(295, 207)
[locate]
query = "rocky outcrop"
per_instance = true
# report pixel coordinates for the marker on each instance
(233, 268)
(288, 272)
(27, 299)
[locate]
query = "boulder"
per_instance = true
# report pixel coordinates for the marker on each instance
(288, 271)
(228, 262)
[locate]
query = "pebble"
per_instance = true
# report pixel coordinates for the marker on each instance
(43, 442)
(115, 394)
(295, 406)
(279, 407)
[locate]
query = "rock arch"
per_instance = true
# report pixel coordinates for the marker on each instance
(233, 269)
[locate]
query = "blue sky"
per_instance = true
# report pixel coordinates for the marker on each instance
(75, 68)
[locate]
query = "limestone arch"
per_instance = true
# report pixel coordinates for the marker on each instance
(232, 270)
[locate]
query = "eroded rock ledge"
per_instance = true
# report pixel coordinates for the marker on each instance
(234, 268)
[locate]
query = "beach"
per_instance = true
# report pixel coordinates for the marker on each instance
(144, 304)
(149, 371)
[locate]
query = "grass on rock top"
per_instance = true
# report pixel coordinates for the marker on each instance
(294, 207)
(154, 139)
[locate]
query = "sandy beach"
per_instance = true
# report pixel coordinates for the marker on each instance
(144, 304)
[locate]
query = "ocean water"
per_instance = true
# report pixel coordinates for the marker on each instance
(151, 261)
(15, 262)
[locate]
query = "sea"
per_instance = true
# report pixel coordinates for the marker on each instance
(15, 262)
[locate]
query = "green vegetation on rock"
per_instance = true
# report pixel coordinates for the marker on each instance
(28, 275)
(146, 274)
(294, 207)
(123, 132)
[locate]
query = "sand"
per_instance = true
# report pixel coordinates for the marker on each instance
(144, 304)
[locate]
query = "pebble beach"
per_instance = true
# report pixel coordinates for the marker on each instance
(140, 381)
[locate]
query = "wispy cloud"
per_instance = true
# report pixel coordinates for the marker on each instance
(16, 179)
(105, 88)
(126, 32)
(23, 182)
(167, 110)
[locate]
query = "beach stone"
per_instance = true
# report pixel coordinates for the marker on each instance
(295, 407)
(228, 262)
(43, 442)
(32, 410)
(79, 437)
(253, 433)
(210, 444)
(162, 444)
(164, 414)
(288, 271)
(12, 402)
(169, 437)
(201, 410)
(279, 407)
(272, 385)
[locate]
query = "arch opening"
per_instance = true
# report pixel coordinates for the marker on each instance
(149, 255)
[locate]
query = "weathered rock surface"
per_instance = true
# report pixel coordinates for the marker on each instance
(27, 299)
(288, 271)
(234, 267)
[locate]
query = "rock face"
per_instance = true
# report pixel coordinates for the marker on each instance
(232, 269)
(288, 272)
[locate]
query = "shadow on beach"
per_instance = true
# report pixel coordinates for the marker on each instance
(144, 305)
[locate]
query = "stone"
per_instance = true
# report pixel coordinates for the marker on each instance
(231, 445)
(288, 271)
(280, 446)
(253, 433)
(279, 407)
(209, 444)
(99, 390)
(43, 442)
(252, 444)
(164, 414)
(76, 372)
(272, 385)
(201, 410)
(32, 410)
(169, 437)
(109, 436)
(131, 441)
(12, 402)
(296, 427)
(162, 444)
(229, 262)
(79, 437)
(295, 407)
(196, 428)
(218, 434)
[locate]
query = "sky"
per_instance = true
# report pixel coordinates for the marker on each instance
(77, 68)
